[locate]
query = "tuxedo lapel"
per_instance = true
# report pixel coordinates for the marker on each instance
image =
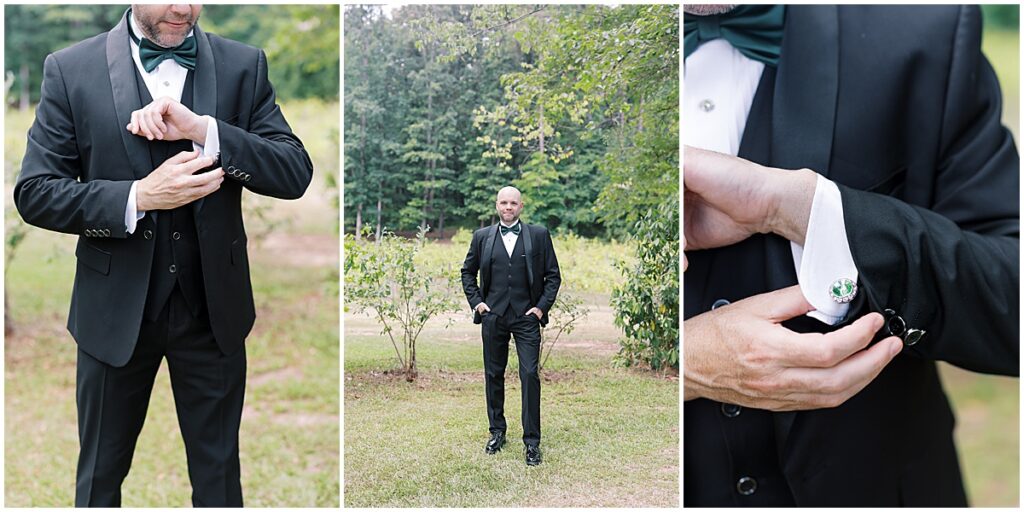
(121, 68)
(204, 94)
(806, 89)
(528, 249)
(804, 110)
(485, 256)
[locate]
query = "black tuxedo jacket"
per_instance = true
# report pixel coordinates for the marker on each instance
(81, 161)
(541, 267)
(900, 108)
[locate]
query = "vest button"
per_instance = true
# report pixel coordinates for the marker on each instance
(746, 486)
(147, 234)
(173, 269)
(731, 410)
(176, 235)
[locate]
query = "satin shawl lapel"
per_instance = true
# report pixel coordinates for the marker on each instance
(806, 88)
(204, 92)
(528, 249)
(121, 68)
(485, 256)
(804, 109)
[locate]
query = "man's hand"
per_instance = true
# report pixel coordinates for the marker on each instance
(740, 354)
(727, 199)
(536, 312)
(173, 184)
(166, 119)
(482, 308)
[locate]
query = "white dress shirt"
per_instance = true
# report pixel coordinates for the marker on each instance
(720, 83)
(167, 79)
(509, 239)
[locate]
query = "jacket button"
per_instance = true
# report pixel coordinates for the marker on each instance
(176, 235)
(746, 486)
(147, 234)
(173, 269)
(894, 323)
(731, 410)
(913, 336)
(719, 303)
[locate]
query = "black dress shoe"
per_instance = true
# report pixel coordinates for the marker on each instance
(495, 443)
(532, 455)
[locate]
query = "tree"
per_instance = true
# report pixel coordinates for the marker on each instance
(385, 279)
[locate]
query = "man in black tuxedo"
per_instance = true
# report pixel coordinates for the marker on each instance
(162, 263)
(519, 281)
(898, 237)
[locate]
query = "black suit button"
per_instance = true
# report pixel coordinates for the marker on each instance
(731, 410)
(719, 303)
(746, 486)
(147, 234)
(176, 235)
(510, 276)
(173, 269)
(894, 323)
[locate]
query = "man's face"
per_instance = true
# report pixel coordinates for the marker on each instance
(707, 9)
(509, 205)
(166, 24)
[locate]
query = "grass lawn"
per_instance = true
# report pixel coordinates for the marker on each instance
(290, 422)
(610, 436)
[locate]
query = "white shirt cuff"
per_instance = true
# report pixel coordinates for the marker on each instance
(210, 146)
(825, 255)
(131, 216)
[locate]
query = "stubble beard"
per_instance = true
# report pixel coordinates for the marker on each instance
(150, 29)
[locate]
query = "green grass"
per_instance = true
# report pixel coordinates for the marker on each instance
(987, 435)
(290, 423)
(610, 436)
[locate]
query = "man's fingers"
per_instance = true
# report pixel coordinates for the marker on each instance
(836, 385)
(196, 164)
(828, 350)
(182, 157)
(199, 180)
(779, 305)
(156, 123)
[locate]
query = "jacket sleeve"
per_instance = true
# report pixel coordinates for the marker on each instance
(267, 158)
(470, 269)
(552, 275)
(951, 268)
(48, 193)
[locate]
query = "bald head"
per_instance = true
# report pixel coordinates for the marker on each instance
(509, 204)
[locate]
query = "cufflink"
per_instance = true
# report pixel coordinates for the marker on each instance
(842, 290)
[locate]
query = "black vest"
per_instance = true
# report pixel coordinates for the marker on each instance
(510, 285)
(176, 256)
(713, 431)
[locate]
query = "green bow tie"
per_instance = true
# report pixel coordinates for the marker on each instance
(754, 30)
(514, 229)
(152, 54)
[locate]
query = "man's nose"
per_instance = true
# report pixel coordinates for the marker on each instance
(181, 8)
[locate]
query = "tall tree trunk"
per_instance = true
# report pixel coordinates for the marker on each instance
(359, 222)
(380, 206)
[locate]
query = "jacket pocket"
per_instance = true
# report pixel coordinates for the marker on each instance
(94, 258)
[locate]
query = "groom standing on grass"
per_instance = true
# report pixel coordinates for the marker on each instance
(519, 280)
(127, 122)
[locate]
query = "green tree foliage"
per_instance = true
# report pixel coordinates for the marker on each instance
(647, 304)
(301, 41)
(386, 279)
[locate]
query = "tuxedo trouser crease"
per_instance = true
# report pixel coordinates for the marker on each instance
(497, 331)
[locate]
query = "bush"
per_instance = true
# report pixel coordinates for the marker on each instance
(647, 304)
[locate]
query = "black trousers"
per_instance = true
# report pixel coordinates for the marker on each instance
(208, 387)
(497, 331)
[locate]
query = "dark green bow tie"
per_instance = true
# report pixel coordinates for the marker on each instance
(754, 30)
(514, 229)
(152, 54)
